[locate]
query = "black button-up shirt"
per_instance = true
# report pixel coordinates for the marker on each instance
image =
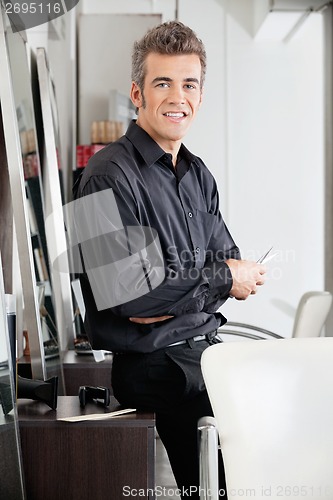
(182, 205)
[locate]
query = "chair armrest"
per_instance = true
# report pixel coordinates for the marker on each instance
(237, 333)
(208, 458)
(249, 327)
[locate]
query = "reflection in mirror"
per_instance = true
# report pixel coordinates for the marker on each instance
(28, 205)
(20, 210)
(11, 476)
(55, 226)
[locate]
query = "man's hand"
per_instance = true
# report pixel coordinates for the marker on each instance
(246, 275)
(148, 321)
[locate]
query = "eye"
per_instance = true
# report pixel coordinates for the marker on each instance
(162, 85)
(190, 86)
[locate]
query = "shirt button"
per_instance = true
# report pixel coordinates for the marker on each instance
(190, 214)
(197, 250)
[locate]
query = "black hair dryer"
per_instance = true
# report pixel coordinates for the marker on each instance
(39, 390)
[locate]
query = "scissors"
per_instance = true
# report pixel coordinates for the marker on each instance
(266, 257)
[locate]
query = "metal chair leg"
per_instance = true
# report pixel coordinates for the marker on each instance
(208, 458)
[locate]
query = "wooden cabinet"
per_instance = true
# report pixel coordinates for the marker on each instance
(100, 460)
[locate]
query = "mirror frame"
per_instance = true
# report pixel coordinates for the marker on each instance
(55, 223)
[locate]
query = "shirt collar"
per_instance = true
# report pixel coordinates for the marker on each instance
(148, 148)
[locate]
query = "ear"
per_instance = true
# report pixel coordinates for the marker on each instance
(136, 95)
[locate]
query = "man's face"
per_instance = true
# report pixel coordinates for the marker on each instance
(170, 99)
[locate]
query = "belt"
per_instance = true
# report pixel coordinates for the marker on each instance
(195, 339)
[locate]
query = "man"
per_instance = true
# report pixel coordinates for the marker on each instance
(158, 337)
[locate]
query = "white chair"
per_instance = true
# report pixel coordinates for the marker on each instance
(273, 406)
(311, 314)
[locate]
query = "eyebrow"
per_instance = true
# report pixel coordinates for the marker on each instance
(167, 79)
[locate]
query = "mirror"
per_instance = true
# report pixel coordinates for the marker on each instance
(28, 205)
(11, 483)
(55, 223)
(20, 210)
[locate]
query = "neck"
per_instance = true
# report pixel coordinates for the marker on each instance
(173, 151)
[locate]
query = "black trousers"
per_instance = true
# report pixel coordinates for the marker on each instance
(170, 383)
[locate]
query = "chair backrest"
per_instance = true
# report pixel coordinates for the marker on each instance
(311, 314)
(273, 403)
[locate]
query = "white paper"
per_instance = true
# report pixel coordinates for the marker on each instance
(97, 416)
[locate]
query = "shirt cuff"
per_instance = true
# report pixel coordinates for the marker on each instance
(219, 277)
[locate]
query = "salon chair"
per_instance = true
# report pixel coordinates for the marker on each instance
(311, 314)
(273, 409)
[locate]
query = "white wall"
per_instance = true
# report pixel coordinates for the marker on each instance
(275, 164)
(165, 7)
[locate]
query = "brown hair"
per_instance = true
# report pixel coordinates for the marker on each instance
(171, 38)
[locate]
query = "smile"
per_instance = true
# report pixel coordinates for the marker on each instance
(175, 115)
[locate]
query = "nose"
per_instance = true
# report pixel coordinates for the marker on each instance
(177, 95)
